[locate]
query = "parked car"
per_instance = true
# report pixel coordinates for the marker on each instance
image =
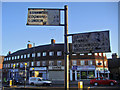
(39, 81)
(16, 81)
(102, 81)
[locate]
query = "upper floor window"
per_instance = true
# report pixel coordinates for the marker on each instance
(25, 56)
(90, 62)
(11, 65)
(43, 63)
(32, 63)
(105, 63)
(17, 64)
(82, 62)
(33, 54)
(89, 53)
(13, 58)
(59, 63)
(51, 53)
(38, 54)
(18, 57)
(8, 65)
(44, 53)
(38, 63)
(9, 58)
(21, 56)
(81, 54)
(28, 55)
(74, 62)
(51, 63)
(59, 53)
(21, 64)
(4, 59)
(101, 62)
(28, 64)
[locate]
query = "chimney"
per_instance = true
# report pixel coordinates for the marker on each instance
(29, 45)
(114, 56)
(52, 41)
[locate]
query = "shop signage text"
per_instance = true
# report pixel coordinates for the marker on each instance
(56, 68)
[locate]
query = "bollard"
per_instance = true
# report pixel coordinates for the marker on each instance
(80, 85)
(88, 88)
(10, 83)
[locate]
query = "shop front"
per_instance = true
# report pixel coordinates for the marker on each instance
(100, 72)
(82, 72)
(39, 72)
(56, 73)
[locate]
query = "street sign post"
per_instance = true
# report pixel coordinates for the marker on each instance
(51, 17)
(93, 42)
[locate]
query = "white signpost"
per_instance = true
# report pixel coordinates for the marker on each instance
(43, 17)
(93, 42)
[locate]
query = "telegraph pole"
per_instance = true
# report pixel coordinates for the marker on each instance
(66, 49)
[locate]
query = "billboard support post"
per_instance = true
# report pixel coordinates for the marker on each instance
(66, 50)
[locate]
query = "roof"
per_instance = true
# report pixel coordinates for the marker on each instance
(41, 48)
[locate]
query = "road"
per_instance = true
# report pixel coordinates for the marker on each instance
(60, 87)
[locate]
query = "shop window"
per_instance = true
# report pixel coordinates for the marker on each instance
(51, 63)
(59, 53)
(90, 74)
(38, 54)
(82, 62)
(59, 63)
(43, 63)
(38, 63)
(74, 62)
(44, 53)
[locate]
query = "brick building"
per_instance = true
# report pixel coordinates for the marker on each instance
(47, 61)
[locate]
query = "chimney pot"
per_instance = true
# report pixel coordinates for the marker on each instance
(29, 45)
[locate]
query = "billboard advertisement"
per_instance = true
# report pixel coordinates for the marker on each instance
(92, 42)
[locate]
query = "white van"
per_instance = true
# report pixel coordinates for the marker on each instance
(39, 81)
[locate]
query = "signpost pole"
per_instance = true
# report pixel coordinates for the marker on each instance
(66, 50)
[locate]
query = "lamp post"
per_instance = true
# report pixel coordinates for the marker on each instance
(33, 51)
(25, 74)
(13, 73)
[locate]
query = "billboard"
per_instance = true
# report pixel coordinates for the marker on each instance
(43, 16)
(93, 42)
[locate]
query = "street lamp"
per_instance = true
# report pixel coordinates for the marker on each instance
(25, 74)
(33, 51)
(13, 72)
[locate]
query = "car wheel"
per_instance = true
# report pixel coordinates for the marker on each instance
(32, 83)
(95, 84)
(111, 83)
(45, 84)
